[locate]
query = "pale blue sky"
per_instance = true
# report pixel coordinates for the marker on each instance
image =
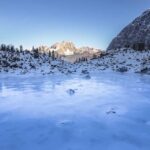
(85, 22)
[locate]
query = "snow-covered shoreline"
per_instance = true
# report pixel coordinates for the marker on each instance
(121, 60)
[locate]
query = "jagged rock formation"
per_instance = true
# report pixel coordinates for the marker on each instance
(136, 35)
(69, 52)
(66, 48)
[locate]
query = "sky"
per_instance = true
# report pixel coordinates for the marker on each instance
(85, 22)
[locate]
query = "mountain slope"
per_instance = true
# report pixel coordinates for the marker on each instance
(136, 35)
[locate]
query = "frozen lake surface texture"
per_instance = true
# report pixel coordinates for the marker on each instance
(107, 112)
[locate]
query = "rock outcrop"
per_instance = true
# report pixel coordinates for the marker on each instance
(64, 48)
(136, 35)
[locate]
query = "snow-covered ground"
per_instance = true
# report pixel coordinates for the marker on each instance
(124, 60)
(121, 60)
(106, 111)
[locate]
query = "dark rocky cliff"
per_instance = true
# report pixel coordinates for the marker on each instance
(136, 35)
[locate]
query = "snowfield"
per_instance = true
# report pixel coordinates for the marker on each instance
(75, 112)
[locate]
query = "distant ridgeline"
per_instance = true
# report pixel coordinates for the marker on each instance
(69, 52)
(136, 35)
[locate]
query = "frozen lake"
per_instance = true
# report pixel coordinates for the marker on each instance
(107, 112)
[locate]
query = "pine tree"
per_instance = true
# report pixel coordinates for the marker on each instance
(49, 54)
(35, 52)
(21, 48)
(3, 47)
(12, 48)
(8, 48)
(79, 60)
(53, 55)
(33, 48)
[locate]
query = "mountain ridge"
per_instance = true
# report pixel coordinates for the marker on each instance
(67, 48)
(136, 35)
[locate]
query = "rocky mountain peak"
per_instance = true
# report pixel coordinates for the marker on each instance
(146, 12)
(64, 46)
(136, 35)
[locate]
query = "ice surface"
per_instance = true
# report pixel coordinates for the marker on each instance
(105, 112)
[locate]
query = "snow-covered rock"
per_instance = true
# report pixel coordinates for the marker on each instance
(123, 60)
